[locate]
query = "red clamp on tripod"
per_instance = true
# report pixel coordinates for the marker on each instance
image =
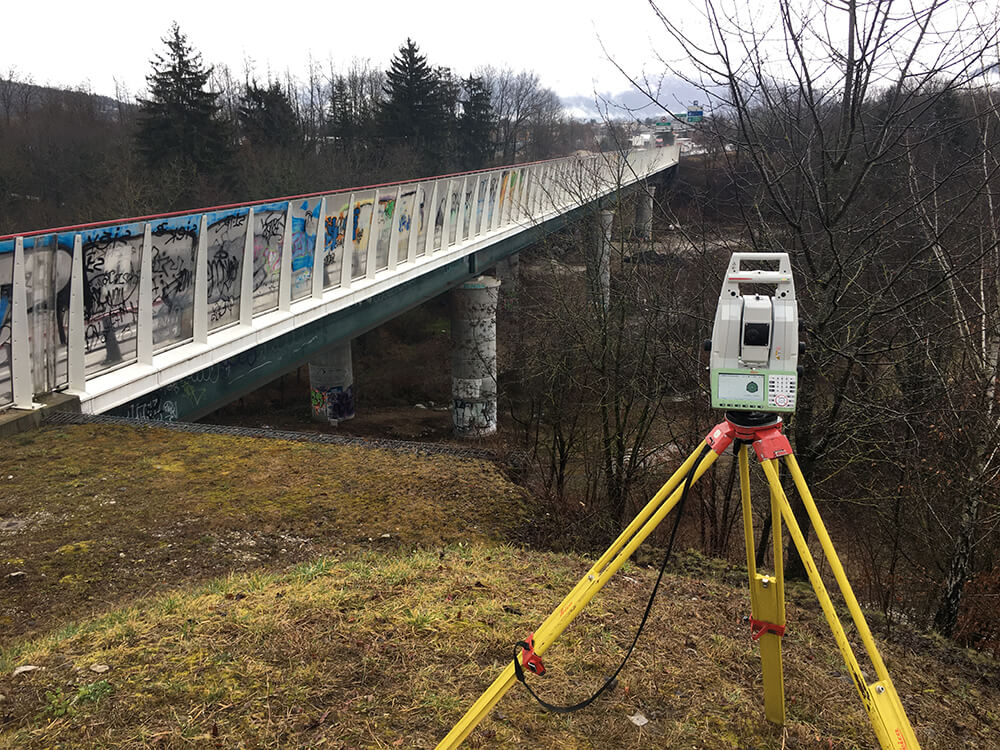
(759, 628)
(529, 659)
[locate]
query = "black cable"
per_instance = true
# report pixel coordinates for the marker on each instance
(519, 670)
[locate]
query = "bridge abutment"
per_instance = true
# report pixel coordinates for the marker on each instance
(331, 384)
(474, 357)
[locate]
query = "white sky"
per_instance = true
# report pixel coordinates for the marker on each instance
(69, 43)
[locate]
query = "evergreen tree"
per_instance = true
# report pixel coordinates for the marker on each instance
(267, 117)
(343, 125)
(441, 141)
(408, 112)
(180, 121)
(475, 125)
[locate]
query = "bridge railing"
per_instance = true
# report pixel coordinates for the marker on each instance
(79, 302)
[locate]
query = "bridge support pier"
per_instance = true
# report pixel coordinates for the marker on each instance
(474, 357)
(331, 384)
(599, 261)
(644, 213)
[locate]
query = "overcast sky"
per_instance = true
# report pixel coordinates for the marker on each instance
(70, 43)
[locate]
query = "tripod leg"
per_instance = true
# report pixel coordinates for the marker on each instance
(880, 699)
(586, 589)
(766, 604)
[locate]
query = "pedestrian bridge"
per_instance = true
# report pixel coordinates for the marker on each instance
(172, 316)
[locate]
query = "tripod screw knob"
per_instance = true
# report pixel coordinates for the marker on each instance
(707, 345)
(802, 347)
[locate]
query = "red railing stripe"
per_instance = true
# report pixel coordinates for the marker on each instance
(247, 204)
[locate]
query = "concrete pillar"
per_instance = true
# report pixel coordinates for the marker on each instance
(331, 384)
(599, 261)
(644, 213)
(474, 357)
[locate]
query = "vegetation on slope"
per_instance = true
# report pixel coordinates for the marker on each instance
(384, 646)
(94, 513)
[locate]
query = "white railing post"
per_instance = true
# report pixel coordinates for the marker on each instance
(431, 221)
(473, 220)
(522, 194)
(460, 225)
(77, 341)
(522, 179)
(495, 214)
(144, 321)
(411, 243)
(446, 227)
(347, 261)
(23, 384)
(394, 230)
(544, 189)
(246, 280)
(535, 191)
(285, 267)
(319, 252)
(484, 218)
(372, 238)
(200, 327)
(513, 190)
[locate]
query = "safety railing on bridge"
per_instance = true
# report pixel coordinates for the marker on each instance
(79, 302)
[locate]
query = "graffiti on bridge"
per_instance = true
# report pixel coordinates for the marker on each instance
(268, 237)
(305, 225)
(334, 404)
(225, 239)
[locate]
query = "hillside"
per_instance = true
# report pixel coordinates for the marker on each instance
(180, 589)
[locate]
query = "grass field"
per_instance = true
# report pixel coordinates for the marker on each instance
(178, 590)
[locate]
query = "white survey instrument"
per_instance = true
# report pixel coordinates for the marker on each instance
(755, 340)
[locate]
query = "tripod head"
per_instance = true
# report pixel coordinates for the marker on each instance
(755, 340)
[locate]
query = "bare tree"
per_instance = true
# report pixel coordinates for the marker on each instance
(819, 110)
(517, 99)
(8, 92)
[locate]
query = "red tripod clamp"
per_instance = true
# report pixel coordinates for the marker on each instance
(759, 627)
(768, 440)
(529, 659)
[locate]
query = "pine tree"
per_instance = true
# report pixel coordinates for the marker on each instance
(407, 114)
(342, 118)
(180, 121)
(475, 124)
(267, 117)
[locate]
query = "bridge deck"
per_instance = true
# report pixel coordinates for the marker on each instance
(115, 311)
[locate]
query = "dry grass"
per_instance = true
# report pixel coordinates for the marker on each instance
(382, 647)
(94, 514)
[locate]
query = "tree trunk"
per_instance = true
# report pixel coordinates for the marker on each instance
(960, 569)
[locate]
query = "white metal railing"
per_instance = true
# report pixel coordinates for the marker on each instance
(109, 311)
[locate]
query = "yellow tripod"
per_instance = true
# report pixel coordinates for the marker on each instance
(763, 432)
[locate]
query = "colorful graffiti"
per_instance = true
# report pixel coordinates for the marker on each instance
(305, 225)
(334, 404)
